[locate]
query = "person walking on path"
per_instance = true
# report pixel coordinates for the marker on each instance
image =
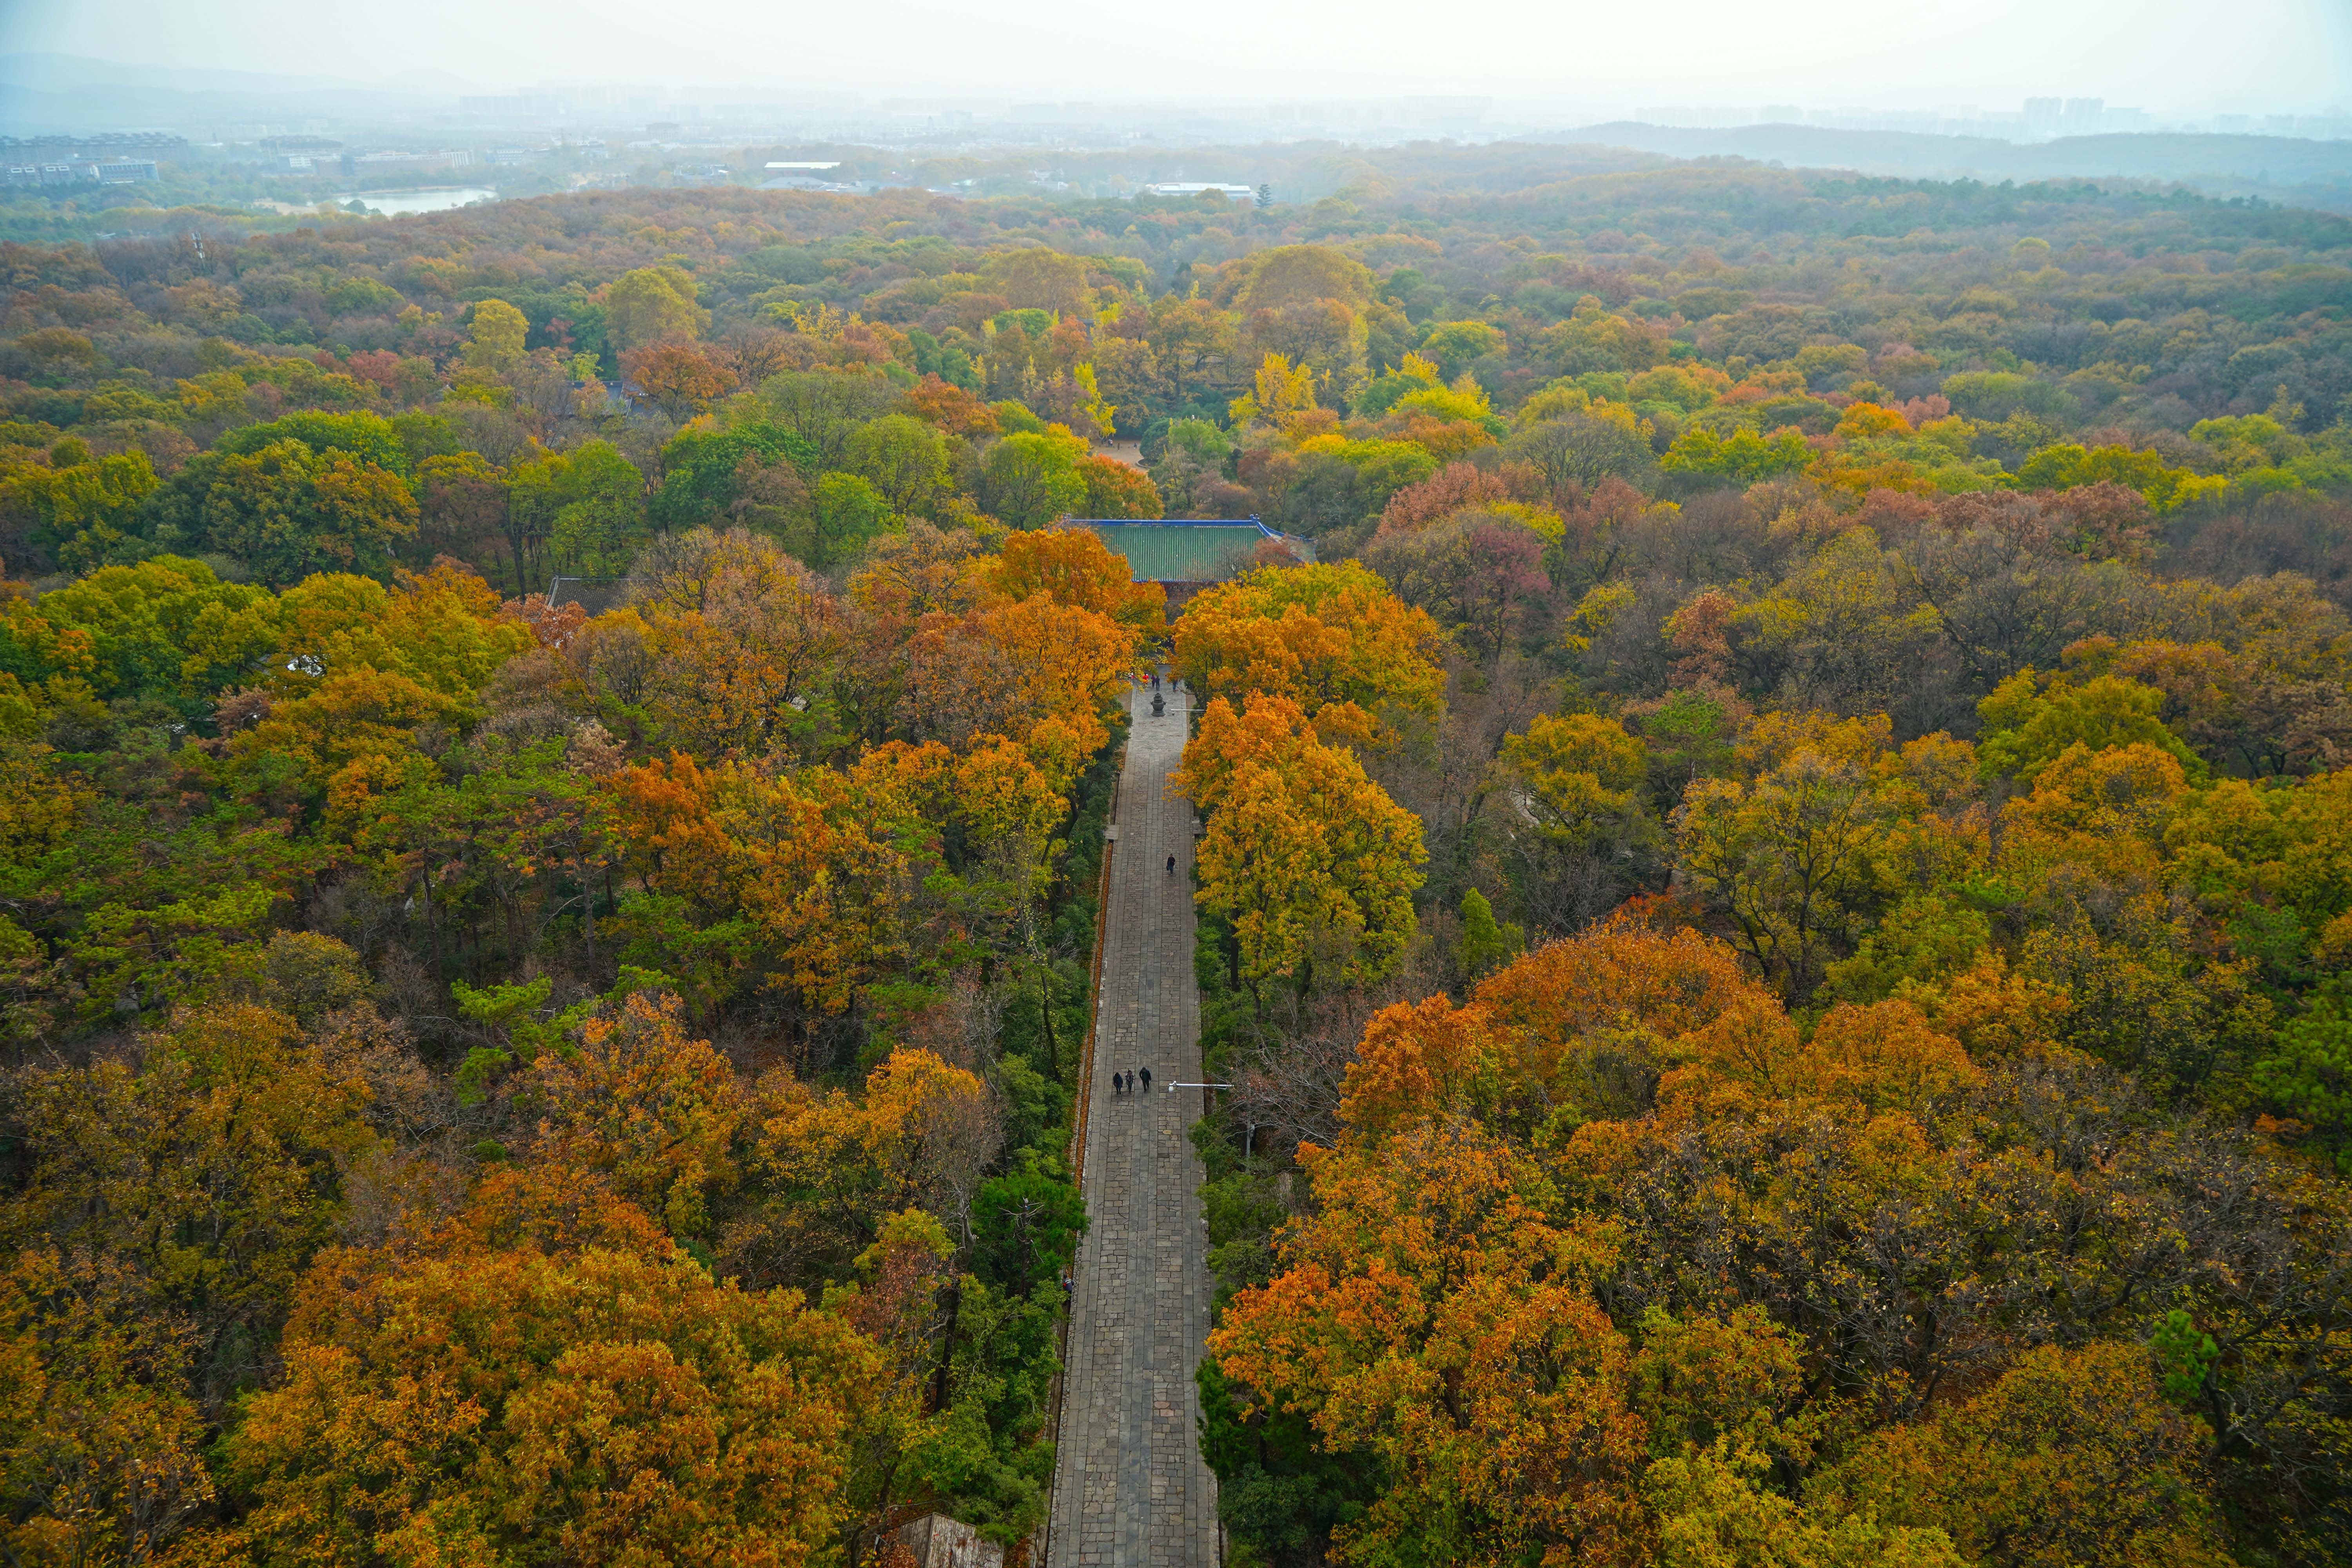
(1172, 865)
(1147, 1080)
(1115, 1085)
(1132, 1488)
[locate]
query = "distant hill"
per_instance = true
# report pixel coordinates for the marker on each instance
(42, 93)
(44, 72)
(2279, 168)
(54, 73)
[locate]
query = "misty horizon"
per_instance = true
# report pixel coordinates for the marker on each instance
(2275, 57)
(44, 94)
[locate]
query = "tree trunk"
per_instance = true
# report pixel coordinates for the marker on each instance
(1045, 1001)
(588, 912)
(432, 924)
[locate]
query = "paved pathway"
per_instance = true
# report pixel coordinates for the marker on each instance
(1129, 1489)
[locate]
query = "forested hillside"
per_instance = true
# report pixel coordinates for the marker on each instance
(1777, 898)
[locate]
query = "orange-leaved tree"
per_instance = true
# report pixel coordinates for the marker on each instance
(807, 873)
(1432, 1320)
(736, 639)
(1073, 566)
(1332, 638)
(1582, 1028)
(550, 1382)
(1035, 670)
(646, 1106)
(1437, 1314)
(834, 1166)
(1116, 489)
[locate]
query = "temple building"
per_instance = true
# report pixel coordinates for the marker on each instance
(1186, 554)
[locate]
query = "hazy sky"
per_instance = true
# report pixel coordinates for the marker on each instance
(2163, 55)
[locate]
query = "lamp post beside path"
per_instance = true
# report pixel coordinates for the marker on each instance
(1206, 1104)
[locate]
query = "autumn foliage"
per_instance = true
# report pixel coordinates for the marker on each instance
(1331, 639)
(1774, 889)
(1306, 857)
(1561, 1288)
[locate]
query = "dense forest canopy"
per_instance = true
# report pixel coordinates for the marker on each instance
(1777, 896)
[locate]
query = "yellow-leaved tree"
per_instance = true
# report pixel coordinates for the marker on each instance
(1356, 660)
(548, 1379)
(1309, 859)
(1278, 393)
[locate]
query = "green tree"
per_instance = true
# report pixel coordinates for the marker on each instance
(1743, 456)
(1484, 944)
(1995, 394)
(494, 338)
(83, 514)
(2025, 731)
(847, 514)
(1028, 480)
(589, 504)
(2309, 1069)
(1027, 1225)
(1456, 343)
(1923, 942)
(287, 511)
(650, 305)
(2070, 465)
(903, 459)
(824, 407)
(704, 477)
(167, 629)
(368, 437)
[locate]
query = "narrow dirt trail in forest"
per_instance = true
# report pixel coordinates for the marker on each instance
(1129, 1489)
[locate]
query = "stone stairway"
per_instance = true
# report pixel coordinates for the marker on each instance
(1129, 1488)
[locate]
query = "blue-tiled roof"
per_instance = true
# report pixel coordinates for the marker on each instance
(1184, 549)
